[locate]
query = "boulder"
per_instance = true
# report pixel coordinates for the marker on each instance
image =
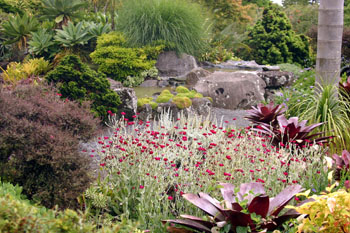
(201, 106)
(277, 79)
(234, 65)
(149, 83)
(114, 84)
(128, 101)
(232, 90)
(145, 112)
(195, 75)
(169, 64)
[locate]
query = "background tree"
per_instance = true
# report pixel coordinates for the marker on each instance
(299, 2)
(330, 31)
(259, 3)
(273, 41)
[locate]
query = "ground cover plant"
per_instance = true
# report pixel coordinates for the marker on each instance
(18, 214)
(39, 141)
(147, 168)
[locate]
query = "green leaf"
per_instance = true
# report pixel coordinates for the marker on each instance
(240, 229)
(59, 18)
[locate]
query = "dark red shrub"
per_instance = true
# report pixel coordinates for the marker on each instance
(39, 140)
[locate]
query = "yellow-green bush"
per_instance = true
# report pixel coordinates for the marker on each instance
(182, 89)
(191, 94)
(164, 98)
(119, 62)
(16, 72)
(182, 102)
(328, 213)
(110, 39)
(148, 100)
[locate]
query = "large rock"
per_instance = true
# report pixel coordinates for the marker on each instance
(195, 75)
(114, 84)
(277, 79)
(149, 83)
(201, 106)
(169, 64)
(128, 101)
(232, 90)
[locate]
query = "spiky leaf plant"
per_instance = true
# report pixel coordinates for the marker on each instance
(342, 164)
(250, 208)
(292, 131)
(18, 28)
(72, 35)
(266, 114)
(331, 108)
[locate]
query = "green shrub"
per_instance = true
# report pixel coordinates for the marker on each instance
(296, 70)
(76, 81)
(273, 41)
(17, 214)
(182, 102)
(182, 89)
(191, 94)
(137, 80)
(176, 22)
(111, 39)
(164, 98)
(39, 144)
(119, 62)
(149, 100)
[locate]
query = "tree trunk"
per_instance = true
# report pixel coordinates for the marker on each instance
(330, 31)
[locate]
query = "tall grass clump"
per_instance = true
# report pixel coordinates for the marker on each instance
(177, 23)
(328, 106)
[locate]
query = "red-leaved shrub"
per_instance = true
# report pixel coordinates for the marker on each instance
(39, 140)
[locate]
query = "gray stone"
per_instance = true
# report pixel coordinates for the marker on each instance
(114, 84)
(277, 79)
(232, 90)
(149, 83)
(234, 65)
(195, 75)
(145, 112)
(128, 101)
(163, 83)
(171, 65)
(201, 106)
(271, 68)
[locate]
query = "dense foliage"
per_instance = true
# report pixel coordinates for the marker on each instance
(273, 41)
(118, 61)
(178, 23)
(39, 136)
(76, 81)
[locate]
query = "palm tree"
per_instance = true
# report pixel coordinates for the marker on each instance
(62, 10)
(330, 31)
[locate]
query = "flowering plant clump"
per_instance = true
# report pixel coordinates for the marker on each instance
(148, 167)
(329, 212)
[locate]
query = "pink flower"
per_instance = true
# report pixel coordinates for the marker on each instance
(142, 187)
(123, 113)
(228, 157)
(170, 198)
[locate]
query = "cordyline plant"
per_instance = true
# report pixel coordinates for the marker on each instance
(266, 114)
(342, 164)
(292, 131)
(250, 208)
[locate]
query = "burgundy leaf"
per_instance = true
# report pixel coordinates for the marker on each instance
(246, 188)
(199, 220)
(227, 193)
(178, 230)
(260, 205)
(282, 199)
(204, 205)
(213, 201)
(236, 218)
(191, 224)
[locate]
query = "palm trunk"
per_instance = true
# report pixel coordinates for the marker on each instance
(329, 41)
